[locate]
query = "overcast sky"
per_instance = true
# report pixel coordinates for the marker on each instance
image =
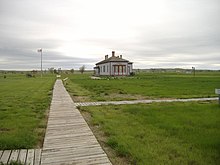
(72, 33)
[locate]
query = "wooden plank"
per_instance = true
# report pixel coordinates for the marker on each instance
(96, 161)
(5, 156)
(69, 128)
(73, 160)
(58, 146)
(70, 137)
(37, 157)
(73, 151)
(69, 143)
(14, 155)
(22, 156)
(30, 157)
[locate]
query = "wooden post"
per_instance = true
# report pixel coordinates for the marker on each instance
(217, 91)
(194, 71)
(219, 99)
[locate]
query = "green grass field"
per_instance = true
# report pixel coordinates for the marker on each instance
(161, 133)
(143, 86)
(158, 133)
(23, 106)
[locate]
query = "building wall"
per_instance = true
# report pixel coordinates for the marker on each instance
(115, 69)
(104, 69)
(130, 68)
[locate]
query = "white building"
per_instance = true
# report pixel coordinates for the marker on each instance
(113, 66)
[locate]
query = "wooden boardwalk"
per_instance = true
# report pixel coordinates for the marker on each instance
(142, 101)
(68, 138)
(25, 156)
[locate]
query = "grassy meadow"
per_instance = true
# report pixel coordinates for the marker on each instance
(23, 107)
(157, 133)
(160, 133)
(143, 86)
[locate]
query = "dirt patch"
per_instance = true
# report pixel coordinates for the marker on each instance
(102, 139)
(80, 98)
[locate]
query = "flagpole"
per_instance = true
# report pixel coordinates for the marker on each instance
(41, 52)
(41, 61)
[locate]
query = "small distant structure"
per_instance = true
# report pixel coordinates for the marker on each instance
(217, 91)
(113, 66)
(95, 78)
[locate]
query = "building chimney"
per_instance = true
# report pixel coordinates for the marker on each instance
(120, 56)
(106, 57)
(113, 53)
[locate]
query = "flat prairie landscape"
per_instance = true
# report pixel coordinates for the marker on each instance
(157, 133)
(23, 108)
(144, 86)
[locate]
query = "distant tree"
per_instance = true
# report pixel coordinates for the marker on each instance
(72, 71)
(59, 70)
(82, 69)
(55, 71)
(34, 72)
(51, 70)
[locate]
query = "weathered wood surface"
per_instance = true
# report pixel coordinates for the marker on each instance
(68, 138)
(141, 101)
(25, 156)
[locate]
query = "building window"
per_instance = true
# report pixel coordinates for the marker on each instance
(104, 68)
(107, 68)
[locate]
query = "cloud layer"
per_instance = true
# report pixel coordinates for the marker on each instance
(150, 33)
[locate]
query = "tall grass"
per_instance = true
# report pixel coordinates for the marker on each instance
(161, 133)
(23, 105)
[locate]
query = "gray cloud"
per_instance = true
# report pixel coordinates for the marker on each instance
(19, 53)
(177, 34)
